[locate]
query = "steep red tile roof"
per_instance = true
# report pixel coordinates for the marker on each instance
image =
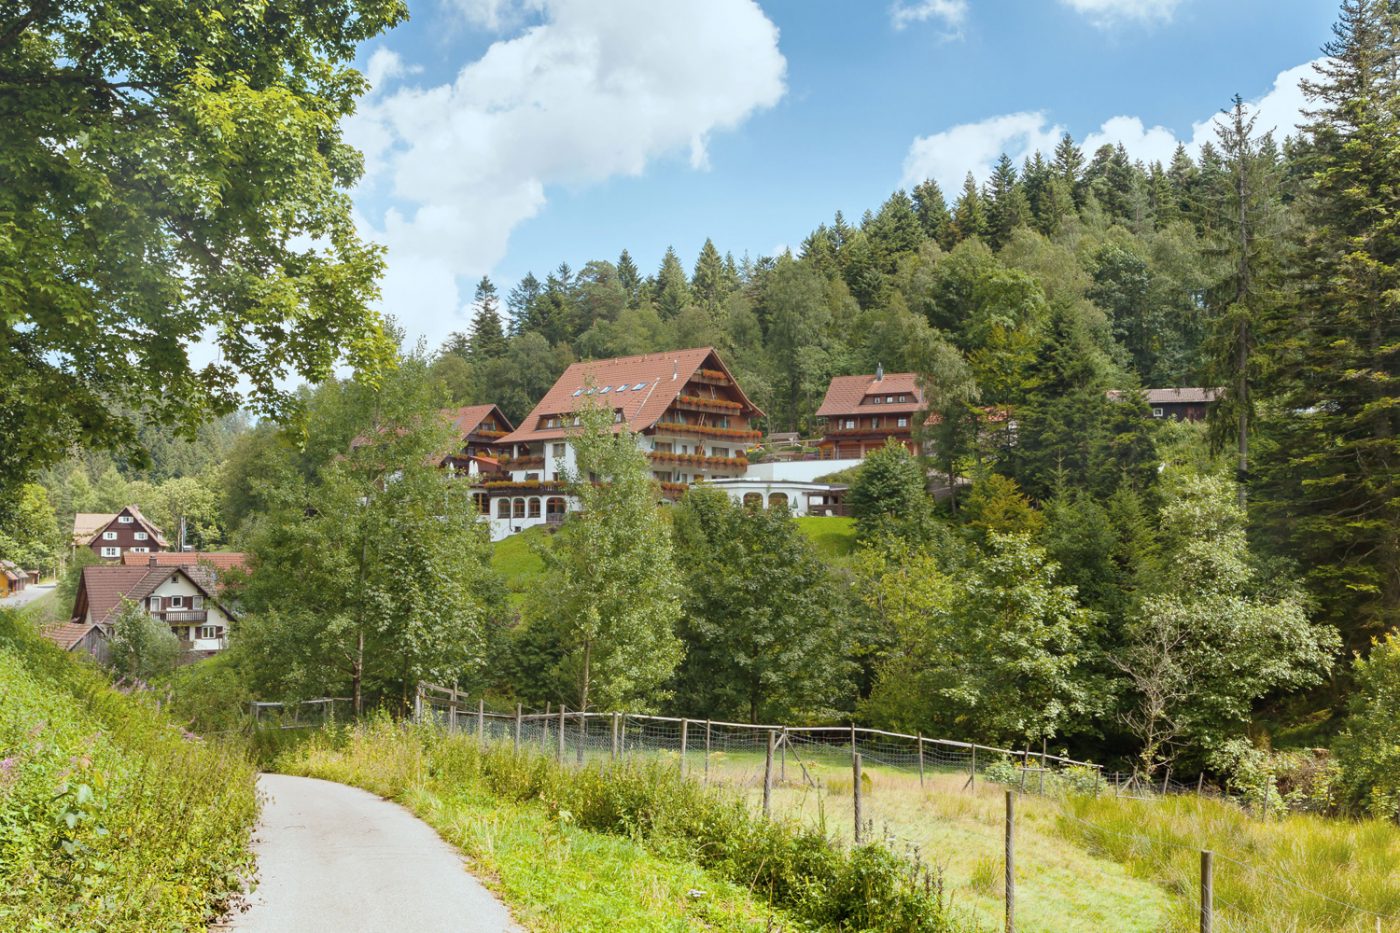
(1175, 396)
(467, 419)
(219, 560)
(844, 395)
(652, 381)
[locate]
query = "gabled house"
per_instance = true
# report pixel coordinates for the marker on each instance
(862, 412)
(171, 594)
(12, 578)
(210, 569)
(689, 414)
(1188, 403)
(480, 428)
(111, 536)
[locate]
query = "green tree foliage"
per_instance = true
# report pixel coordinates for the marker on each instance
(1330, 482)
(760, 616)
(142, 647)
(488, 339)
(1369, 749)
(671, 291)
(889, 496)
(29, 534)
(996, 505)
(610, 596)
(371, 571)
(1211, 634)
(164, 168)
(988, 649)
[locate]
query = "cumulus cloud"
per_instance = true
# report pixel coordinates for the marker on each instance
(950, 12)
(947, 156)
(1111, 12)
(590, 92)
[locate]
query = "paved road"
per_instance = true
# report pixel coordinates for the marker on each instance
(340, 860)
(27, 595)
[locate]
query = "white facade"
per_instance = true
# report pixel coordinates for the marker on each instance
(799, 497)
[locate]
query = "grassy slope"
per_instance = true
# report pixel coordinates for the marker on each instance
(834, 537)
(109, 818)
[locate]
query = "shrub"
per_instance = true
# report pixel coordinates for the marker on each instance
(142, 646)
(1368, 750)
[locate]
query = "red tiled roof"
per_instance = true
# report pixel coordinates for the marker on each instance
(845, 394)
(1187, 395)
(104, 586)
(467, 419)
(68, 634)
(219, 560)
(652, 381)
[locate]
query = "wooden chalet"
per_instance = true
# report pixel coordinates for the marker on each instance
(12, 578)
(480, 428)
(112, 535)
(173, 594)
(862, 412)
(689, 414)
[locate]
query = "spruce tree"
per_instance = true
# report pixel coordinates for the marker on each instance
(521, 303)
(488, 339)
(969, 214)
(671, 290)
(709, 284)
(1008, 209)
(1069, 166)
(630, 278)
(932, 211)
(1332, 475)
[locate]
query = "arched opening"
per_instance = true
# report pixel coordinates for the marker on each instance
(503, 508)
(535, 507)
(518, 506)
(482, 503)
(776, 499)
(753, 500)
(554, 509)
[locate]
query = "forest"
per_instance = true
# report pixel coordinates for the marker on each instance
(1157, 594)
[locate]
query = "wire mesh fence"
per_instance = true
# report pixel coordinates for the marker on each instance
(301, 714)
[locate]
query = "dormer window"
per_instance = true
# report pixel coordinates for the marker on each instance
(124, 519)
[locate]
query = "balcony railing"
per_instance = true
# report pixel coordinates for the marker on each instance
(698, 460)
(704, 430)
(710, 377)
(186, 615)
(521, 463)
(707, 404)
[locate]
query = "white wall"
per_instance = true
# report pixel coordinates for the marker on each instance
(797, 471)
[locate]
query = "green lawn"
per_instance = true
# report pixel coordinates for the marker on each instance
(834, 537)
(514, 558)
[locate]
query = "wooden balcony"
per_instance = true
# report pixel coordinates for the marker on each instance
(712, 377)
(521, 463)
(185, 616)
(699, 461)
(704, 430)
(699, 403)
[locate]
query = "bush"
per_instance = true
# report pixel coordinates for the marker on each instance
(110, 818)
(796, 869)
(142, 647)
(1368, 750)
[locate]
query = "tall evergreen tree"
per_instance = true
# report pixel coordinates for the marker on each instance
(1009, 208)
(521, 303)
(671, 291)
(630, 278)
(488, 339)
(932, 210)
(1069, 166)
(969, 213)
(1333, 472)
(709, 285)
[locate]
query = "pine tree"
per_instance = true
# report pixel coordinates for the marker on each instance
(488, 339)
(709, 284)
(521, 303)
(969, 214)
(1009, 208)
(670, 291)
(932, 211)
(630, 278)
(1244, 223)
(1069, 165)
(894, 232)
(1332, 474)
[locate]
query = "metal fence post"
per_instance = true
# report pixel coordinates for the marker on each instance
(768, 777)
(582, 735)
(707, 751)
(972, 770)
(1010, 861)
(481, 722)
(685, 731)
(518, 716)
(921, 759)
(544, 733)
(856, 808)
(418, 705)
(560, 755)
(1207, 891)
(614, 736)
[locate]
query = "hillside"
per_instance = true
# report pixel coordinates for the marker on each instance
(111, 818)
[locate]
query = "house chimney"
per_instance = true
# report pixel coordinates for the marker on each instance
(879, 372)
(151, 561)
(675, 369)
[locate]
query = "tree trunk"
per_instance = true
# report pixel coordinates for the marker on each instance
(587, 675)
(357, 671)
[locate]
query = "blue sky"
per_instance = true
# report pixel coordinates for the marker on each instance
(507, 135)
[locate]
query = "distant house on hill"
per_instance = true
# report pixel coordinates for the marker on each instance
(12, 579)
(172, 594)
(209, 568)
(1180, 404)
(480, 428)
(112, 535)
(689, 414)
(862, 412)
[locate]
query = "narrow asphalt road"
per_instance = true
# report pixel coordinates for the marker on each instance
(340, 860)
(27, 595)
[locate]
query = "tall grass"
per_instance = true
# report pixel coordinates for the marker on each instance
(110, 817)
(799, 871)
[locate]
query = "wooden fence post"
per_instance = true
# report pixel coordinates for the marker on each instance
(418, 705)
(972, 770)
(1010, 861)
(707, 751)
(582, 734)
(1166, 778)
(1207, 891)
(614, 736)
(768, 777)
(782, 751)
(685, 733)
(481, 722)
(559, 756)
(452, 710)
(544, 733)
(856, 808)
(518, 715)
(921, 759)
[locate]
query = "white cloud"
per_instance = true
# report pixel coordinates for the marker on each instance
(590, 92)
(1104, 13)
(950, 12)
(948, 156)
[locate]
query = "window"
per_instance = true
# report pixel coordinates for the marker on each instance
(719, 451)
(577, 393)
(622, 388)
(141, 536)
(890, 399)
(518, 508)
(904, 398)
(605, 390)
(850, 423)
(503, 508)
(109, 536)
(878, 400)
(197, 602)
(534, 508)
(1156, 412)
(558, 451)
(208, 631)
(124, 520)
(639, 386)
(139, 550)
(904, 422)
(662, 475)
(153, 604)
(177, 602)
(111, 552)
